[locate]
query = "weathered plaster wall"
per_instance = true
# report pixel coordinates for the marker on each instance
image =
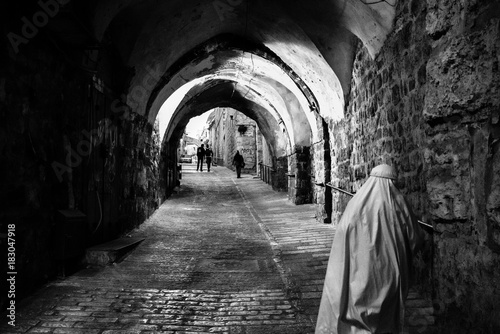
(260, 142)
(267, 158)
(246, 143)
(277, 170)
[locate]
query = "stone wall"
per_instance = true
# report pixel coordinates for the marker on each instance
(384, 123)
(259, 152)
(428, 104)
(217, 136)
(246, 143)
(169, 169)
(277, 169)
(230, 143)
(462, 132)
(299, 176)
(321, 176)
(267, 165)
(267, 157)
(280, 176)
(64, 144)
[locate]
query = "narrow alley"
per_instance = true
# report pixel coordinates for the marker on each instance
(223, 255)
(107, 228)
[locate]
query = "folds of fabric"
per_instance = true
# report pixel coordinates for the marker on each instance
(369, 267)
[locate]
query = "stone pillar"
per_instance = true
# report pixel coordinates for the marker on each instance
(299, 179)
(259, 149)
(291, 180)
(322, 194)
(280, 178)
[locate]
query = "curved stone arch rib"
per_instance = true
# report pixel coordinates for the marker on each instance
(370, 22)
(274, 148)
(283, 104)
(158, 47)
(297, 122)
(198, 103)
(197, 88)
(231, 42)
(275, 90)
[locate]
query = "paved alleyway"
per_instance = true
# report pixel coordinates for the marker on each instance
(224, 255)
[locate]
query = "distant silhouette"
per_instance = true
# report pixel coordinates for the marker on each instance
(208, 156)
(239, 163)
(200, 153)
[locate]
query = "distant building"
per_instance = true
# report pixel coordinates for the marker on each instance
(228, 131)
(188, 145)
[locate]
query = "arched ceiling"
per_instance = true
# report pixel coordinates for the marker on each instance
(232, 95)
(276, 60)
(256, 79)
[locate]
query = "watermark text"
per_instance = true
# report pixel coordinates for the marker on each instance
(11, 274)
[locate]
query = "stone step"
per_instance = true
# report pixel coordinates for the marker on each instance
(417, 302)
(419, 316)
(420, 310)
(110, 252)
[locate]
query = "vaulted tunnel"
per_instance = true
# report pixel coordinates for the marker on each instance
(334, 87)
(228, 95)
(227, 71)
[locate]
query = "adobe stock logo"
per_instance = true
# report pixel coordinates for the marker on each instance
(30, 28)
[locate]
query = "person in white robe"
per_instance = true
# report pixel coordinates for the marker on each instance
(370, 264)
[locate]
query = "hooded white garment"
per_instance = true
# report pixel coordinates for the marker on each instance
(368, 272)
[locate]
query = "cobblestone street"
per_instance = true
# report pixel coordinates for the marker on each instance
(223, 255)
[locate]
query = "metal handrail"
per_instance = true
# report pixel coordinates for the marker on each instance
(265, 173)
(351, 194)
(339, 189)
(271, 167)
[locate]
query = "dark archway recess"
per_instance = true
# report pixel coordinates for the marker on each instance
(324, 198)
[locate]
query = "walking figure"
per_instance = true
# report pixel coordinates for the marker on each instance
(370, 264)
(208, 156)
(200, 153)
(239, 163)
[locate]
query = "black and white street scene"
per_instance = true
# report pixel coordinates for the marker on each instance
(250, 167)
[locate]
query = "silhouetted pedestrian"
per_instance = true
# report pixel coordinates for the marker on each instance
(200, 153)
(208, 156)
(239, 163)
